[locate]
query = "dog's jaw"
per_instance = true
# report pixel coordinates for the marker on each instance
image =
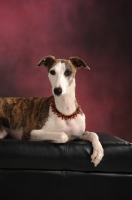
(66, 103)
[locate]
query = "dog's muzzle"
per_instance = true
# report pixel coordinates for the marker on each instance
(58, 91)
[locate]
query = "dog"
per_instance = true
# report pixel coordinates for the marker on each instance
(58, 118)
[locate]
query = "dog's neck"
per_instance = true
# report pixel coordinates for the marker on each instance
(66, 103)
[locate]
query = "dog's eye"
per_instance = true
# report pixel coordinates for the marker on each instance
(52, 72)
(67, 72)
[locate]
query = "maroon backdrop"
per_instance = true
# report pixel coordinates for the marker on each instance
(99, 32)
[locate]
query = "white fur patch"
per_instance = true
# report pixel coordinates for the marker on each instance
(72, 128)
(59, 79)
(3, 134)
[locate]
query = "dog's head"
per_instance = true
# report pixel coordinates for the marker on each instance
(62, 72)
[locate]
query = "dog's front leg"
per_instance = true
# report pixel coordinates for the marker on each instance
(98, 151)
(42, 135)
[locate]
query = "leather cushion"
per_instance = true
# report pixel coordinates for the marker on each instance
(73, 156)
(63, 185)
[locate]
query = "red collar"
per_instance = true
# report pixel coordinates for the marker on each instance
(62, 116)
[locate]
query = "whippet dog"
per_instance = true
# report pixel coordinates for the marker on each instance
(56, 119)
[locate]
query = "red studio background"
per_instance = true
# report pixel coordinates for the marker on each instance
(99, 32)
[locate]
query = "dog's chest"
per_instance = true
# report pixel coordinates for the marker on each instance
(73, 128)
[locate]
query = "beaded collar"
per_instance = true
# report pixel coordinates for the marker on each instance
(62, 116)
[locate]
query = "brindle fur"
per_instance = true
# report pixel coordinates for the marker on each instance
(27, 113)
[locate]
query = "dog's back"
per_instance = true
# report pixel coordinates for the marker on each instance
(26, 113)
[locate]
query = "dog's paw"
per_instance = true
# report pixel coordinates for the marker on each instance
(98, 153)
(60, 137)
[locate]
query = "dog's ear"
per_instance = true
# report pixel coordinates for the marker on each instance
(77, 62)
(46, 61)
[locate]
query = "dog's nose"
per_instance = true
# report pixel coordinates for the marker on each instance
(58, 91)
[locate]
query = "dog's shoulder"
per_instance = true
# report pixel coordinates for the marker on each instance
(42, 110)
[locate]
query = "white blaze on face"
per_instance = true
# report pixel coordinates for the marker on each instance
(59, 79)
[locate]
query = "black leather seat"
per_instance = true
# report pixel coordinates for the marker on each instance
(32, 170)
